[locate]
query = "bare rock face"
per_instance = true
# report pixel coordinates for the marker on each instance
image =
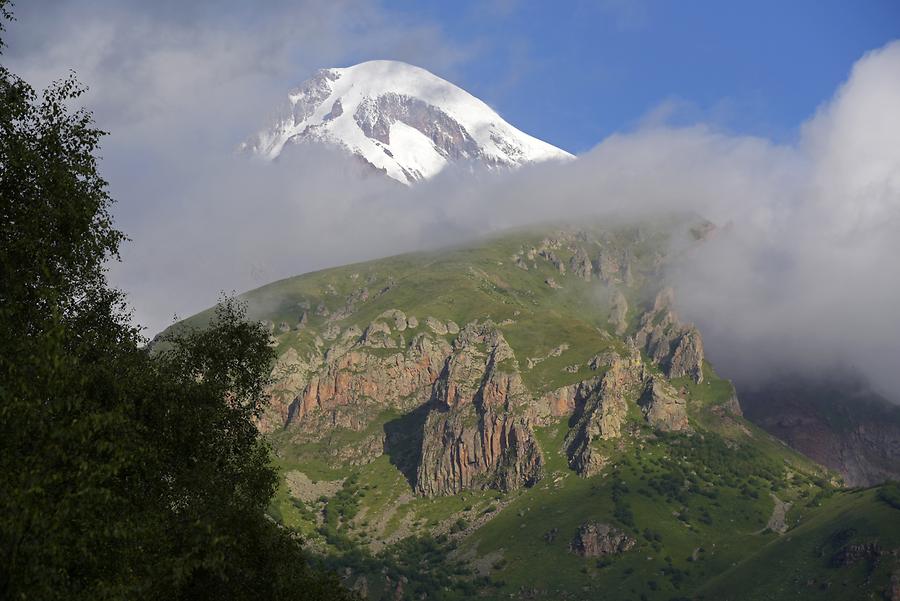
(396, 316)
(687, 356)
(663, 408)
(436, 325)
(562, 401)
(604, 411)
(350, 383)
(289, 374)
(594, 539)
(476, 435)
(554, 404)
(465, 449)
(378, 335)
(676, 347)
(580, 264)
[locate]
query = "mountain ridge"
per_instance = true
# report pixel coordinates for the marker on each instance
(456, 422)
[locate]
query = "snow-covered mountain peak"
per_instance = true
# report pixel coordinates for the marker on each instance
(400, 119)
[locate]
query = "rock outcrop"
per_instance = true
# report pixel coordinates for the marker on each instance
(378, 335)
(476, 434)
(398, 317)
(553, 259)
(676, 347)
(351, 385)
(437, 326)
(663, 408)
(562, 401)
(595, 539)
(580, 264)
(289, 374)
(603, 412)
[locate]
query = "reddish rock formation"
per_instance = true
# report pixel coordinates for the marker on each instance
(476, 435)
(401, 380)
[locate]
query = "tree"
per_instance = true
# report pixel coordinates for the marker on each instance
(126, 473)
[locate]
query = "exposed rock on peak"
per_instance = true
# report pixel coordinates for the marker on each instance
(397, 316)
(378, 335)
(437, 326)
(687, 356)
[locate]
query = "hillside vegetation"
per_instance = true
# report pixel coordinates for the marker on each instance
(528, 416)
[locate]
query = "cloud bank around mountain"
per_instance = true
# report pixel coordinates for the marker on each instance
(802, 274)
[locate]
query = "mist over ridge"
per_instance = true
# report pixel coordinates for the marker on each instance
(799, 274)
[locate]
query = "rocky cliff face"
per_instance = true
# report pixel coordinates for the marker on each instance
(356, 377)
(663, 408)
(478, 426)
(676, 347)
(604, 410)
(347, 384)
(476, 434)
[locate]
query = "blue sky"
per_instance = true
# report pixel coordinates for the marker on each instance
(571, 72)
(574, 72)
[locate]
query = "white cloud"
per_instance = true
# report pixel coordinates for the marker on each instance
(802, 276)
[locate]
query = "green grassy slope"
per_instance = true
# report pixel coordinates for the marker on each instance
(807, 563)
(698, 505)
